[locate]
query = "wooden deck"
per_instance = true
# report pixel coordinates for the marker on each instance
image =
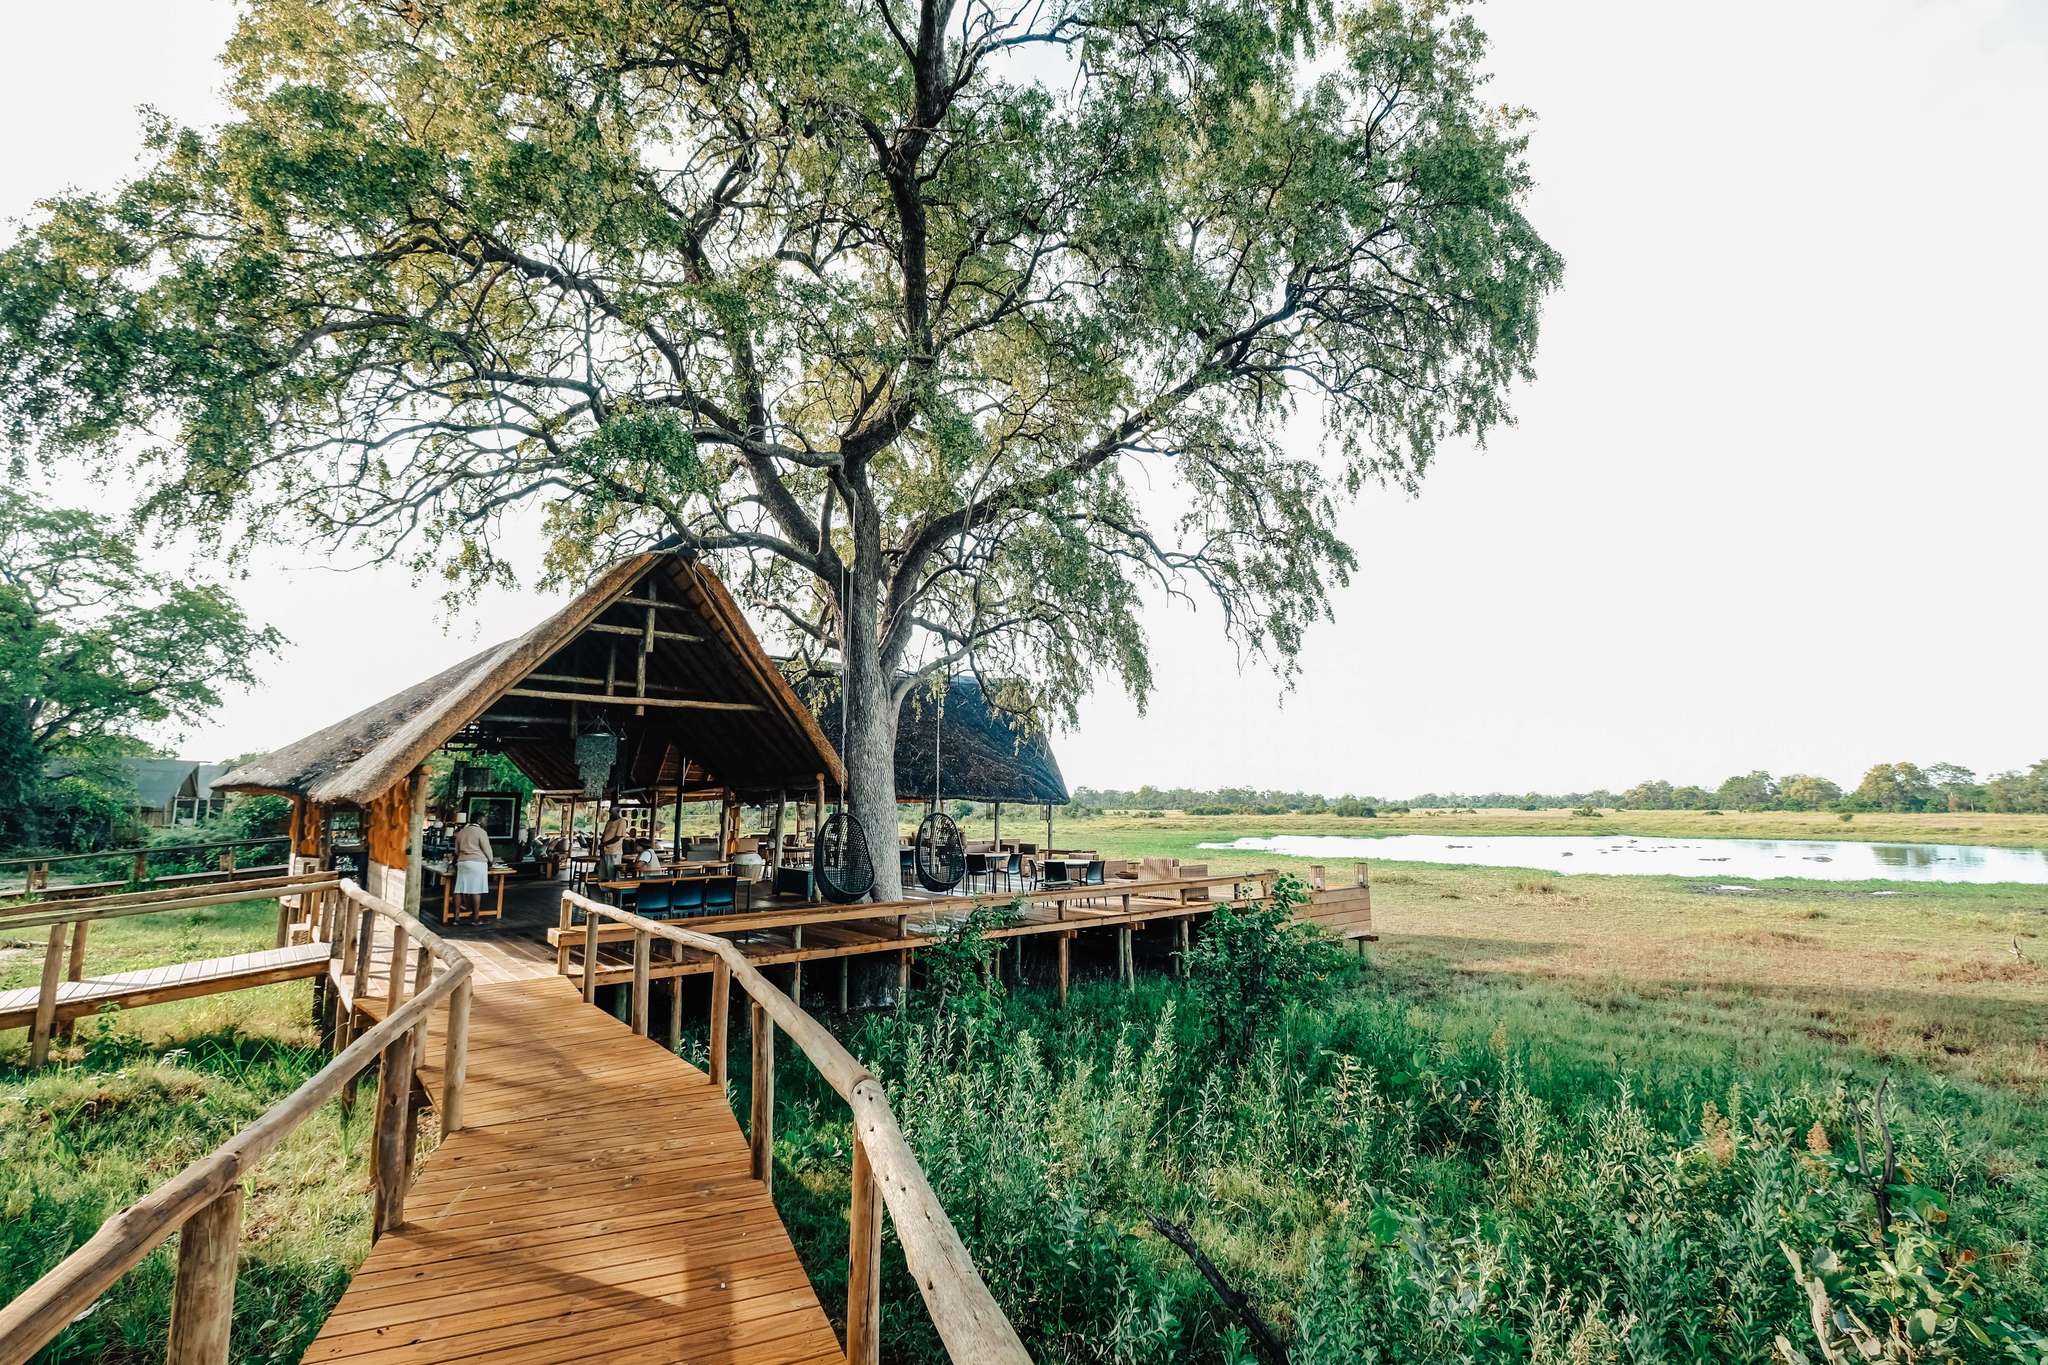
(596, 1206)
(178, 981)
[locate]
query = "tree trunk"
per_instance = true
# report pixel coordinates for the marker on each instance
(870, 716)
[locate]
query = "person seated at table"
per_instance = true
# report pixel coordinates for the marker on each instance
(472, 869)
(649, 860)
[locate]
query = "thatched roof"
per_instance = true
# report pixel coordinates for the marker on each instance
(717, 710)
(983, 754)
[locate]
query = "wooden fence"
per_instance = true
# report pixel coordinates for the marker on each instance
(36, 867)
(885, 1171)
(203, 1202)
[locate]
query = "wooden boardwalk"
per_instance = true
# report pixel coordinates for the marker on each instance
(177, 981)
(596, 1206)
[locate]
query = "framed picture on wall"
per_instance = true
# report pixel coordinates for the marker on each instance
(497, 812)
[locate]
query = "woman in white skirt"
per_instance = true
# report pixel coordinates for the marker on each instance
(472, 869)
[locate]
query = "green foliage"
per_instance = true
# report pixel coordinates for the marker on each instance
(959, 964)
(1249, 965)
(94, 651)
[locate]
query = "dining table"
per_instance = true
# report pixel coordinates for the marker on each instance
(488, 907)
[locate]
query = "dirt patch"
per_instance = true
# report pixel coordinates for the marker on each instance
(1768, 938)
(1995, 969)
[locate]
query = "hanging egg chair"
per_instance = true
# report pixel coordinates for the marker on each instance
(840, 862)
(941, 854)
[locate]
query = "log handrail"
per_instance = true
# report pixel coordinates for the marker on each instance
(203, 1295)
(34, 913)
(969, 1322)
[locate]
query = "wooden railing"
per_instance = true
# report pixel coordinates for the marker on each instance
(885, 1171)
(203, 1202)
(71, 920)
(36, 867)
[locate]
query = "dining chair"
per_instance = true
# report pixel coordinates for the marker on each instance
(655, 896)
(689, 896)
(1096, 873)
(977, 866)
(1012, 870)
(721, 895)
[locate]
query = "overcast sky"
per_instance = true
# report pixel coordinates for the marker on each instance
(1774, 501)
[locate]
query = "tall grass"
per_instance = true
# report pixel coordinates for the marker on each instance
(1398, 1174)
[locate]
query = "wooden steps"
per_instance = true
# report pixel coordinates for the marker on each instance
(596, 1206)
(178, 981)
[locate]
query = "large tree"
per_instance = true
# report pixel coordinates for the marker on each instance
(953, 328)
(97, 650)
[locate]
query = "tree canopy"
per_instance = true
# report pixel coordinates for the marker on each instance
(96, 650)
(949, 327)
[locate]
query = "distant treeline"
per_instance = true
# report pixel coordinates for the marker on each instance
(1887, 786)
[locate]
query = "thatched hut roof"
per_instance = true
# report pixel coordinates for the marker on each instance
(715, 709)
(982, 752)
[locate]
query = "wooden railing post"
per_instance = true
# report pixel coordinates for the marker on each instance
(394, 987)
(721, 1008)
(643, 948)
(422, 977)
(761, 1123)
(203, 1295)
(455, 1058)
(141, 867)
(590, 922)
(391, 1155)
(75, 971)
(675, 1000)
(46, 995)
(864, 1263)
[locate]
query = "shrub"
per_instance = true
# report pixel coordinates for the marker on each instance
(1250, 964)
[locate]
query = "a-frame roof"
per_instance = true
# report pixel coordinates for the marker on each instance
(714, 709)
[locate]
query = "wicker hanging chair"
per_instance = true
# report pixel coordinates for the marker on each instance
(840, 863)
(941, 854)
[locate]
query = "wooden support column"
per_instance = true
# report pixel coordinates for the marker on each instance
(775, 840)
(590, 923)
(46, 995)
(796, 968)
(845, 982)
(675, 1002)
(1066, 938)
(1125, 965)
(1181, 966)
(721, 1005)
(391, 1157)
(761, 1119)
(415, 835)
(864, 1263)
(998, 837)
(75, 969)
(643, 946)
(203, 1294)
(455, 1058)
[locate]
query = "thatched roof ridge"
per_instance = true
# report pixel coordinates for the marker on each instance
(360, 757)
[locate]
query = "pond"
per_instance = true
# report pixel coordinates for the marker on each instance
(1817, 859)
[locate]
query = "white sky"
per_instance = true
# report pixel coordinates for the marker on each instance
(1774, 501)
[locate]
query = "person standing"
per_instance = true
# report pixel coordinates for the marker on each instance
(472, 868)
(611, 847)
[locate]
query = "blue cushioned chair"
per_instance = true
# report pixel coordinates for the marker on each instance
(721, 895)
(689, 896)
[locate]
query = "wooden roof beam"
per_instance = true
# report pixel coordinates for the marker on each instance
(682, 703)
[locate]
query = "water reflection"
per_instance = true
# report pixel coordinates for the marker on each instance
(1815, 859)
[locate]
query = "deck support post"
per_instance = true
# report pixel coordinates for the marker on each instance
(1066, 938)
(203, 1293)
(1124, 964)
(675, 1003)
(721, 1007)
(643, 950)
(796, 968)
(845, 982)
(1181, 961)
(75, 971)
(46, 996)
(864, 1263)
(455, 1057)
(391, 1156)
(902, 978)
(761, 1122)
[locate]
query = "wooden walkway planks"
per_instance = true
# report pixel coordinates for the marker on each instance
(178, 981)
(596, 1206)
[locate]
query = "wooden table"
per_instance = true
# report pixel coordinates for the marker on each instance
(487, 908)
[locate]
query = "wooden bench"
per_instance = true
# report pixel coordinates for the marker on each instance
(155, 985)
(1343, 912)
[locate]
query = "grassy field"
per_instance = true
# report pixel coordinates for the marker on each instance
(1552, 1118)
(1131, 831)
